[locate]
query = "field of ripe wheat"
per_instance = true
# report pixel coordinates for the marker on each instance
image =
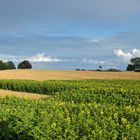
(65, 75)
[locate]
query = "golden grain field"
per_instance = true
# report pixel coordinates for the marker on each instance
(41, 75)
(65, 75)
(5, 93)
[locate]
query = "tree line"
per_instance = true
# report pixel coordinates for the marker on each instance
(9, 65)
(135, 65)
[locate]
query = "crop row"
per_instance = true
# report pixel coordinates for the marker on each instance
(51, 87)
(91, 109)
(54, 119)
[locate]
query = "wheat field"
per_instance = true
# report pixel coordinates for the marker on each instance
(41, 75)
(5, 93)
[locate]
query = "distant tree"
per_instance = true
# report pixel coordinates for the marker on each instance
(135, 60)
(10, 65)
(135, 64)
(100, 67)
(97, 70)
(24, 65)
(113, 70)
(2, 65)
(77, 69)
(130, 67)
(83, 69)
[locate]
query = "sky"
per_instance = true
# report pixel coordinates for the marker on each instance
(70, 34)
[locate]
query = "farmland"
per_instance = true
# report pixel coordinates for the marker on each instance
(65, 75)
(5, 93)
(83, 109)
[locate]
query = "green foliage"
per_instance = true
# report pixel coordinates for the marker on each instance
(113, 70)
(135, 66)
(46, 87)
(24, 65)
(90, 109)
(7, 65)
(10, 65)
(136, 63)
(77, 69)
(2, 65)
(130, 67)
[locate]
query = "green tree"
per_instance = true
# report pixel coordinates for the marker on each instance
(10, 65)
(2, 65)
(24, 65)
(130, 67)
(135, 64)
(100, 67)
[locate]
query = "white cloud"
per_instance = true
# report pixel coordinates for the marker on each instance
(136, 52)
(126, 56)
(123, 55)
(110, 67)
(93, 61)
(13, 58)
(41, 57)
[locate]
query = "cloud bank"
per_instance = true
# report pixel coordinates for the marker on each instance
(41, 57)
(91, 61)
(126, 56)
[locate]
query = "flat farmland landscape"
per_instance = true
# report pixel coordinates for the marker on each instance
(70, 70)
(60, 104)
(69, 110)
(42, 75)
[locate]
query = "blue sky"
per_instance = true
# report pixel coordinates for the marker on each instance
(70, 34)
